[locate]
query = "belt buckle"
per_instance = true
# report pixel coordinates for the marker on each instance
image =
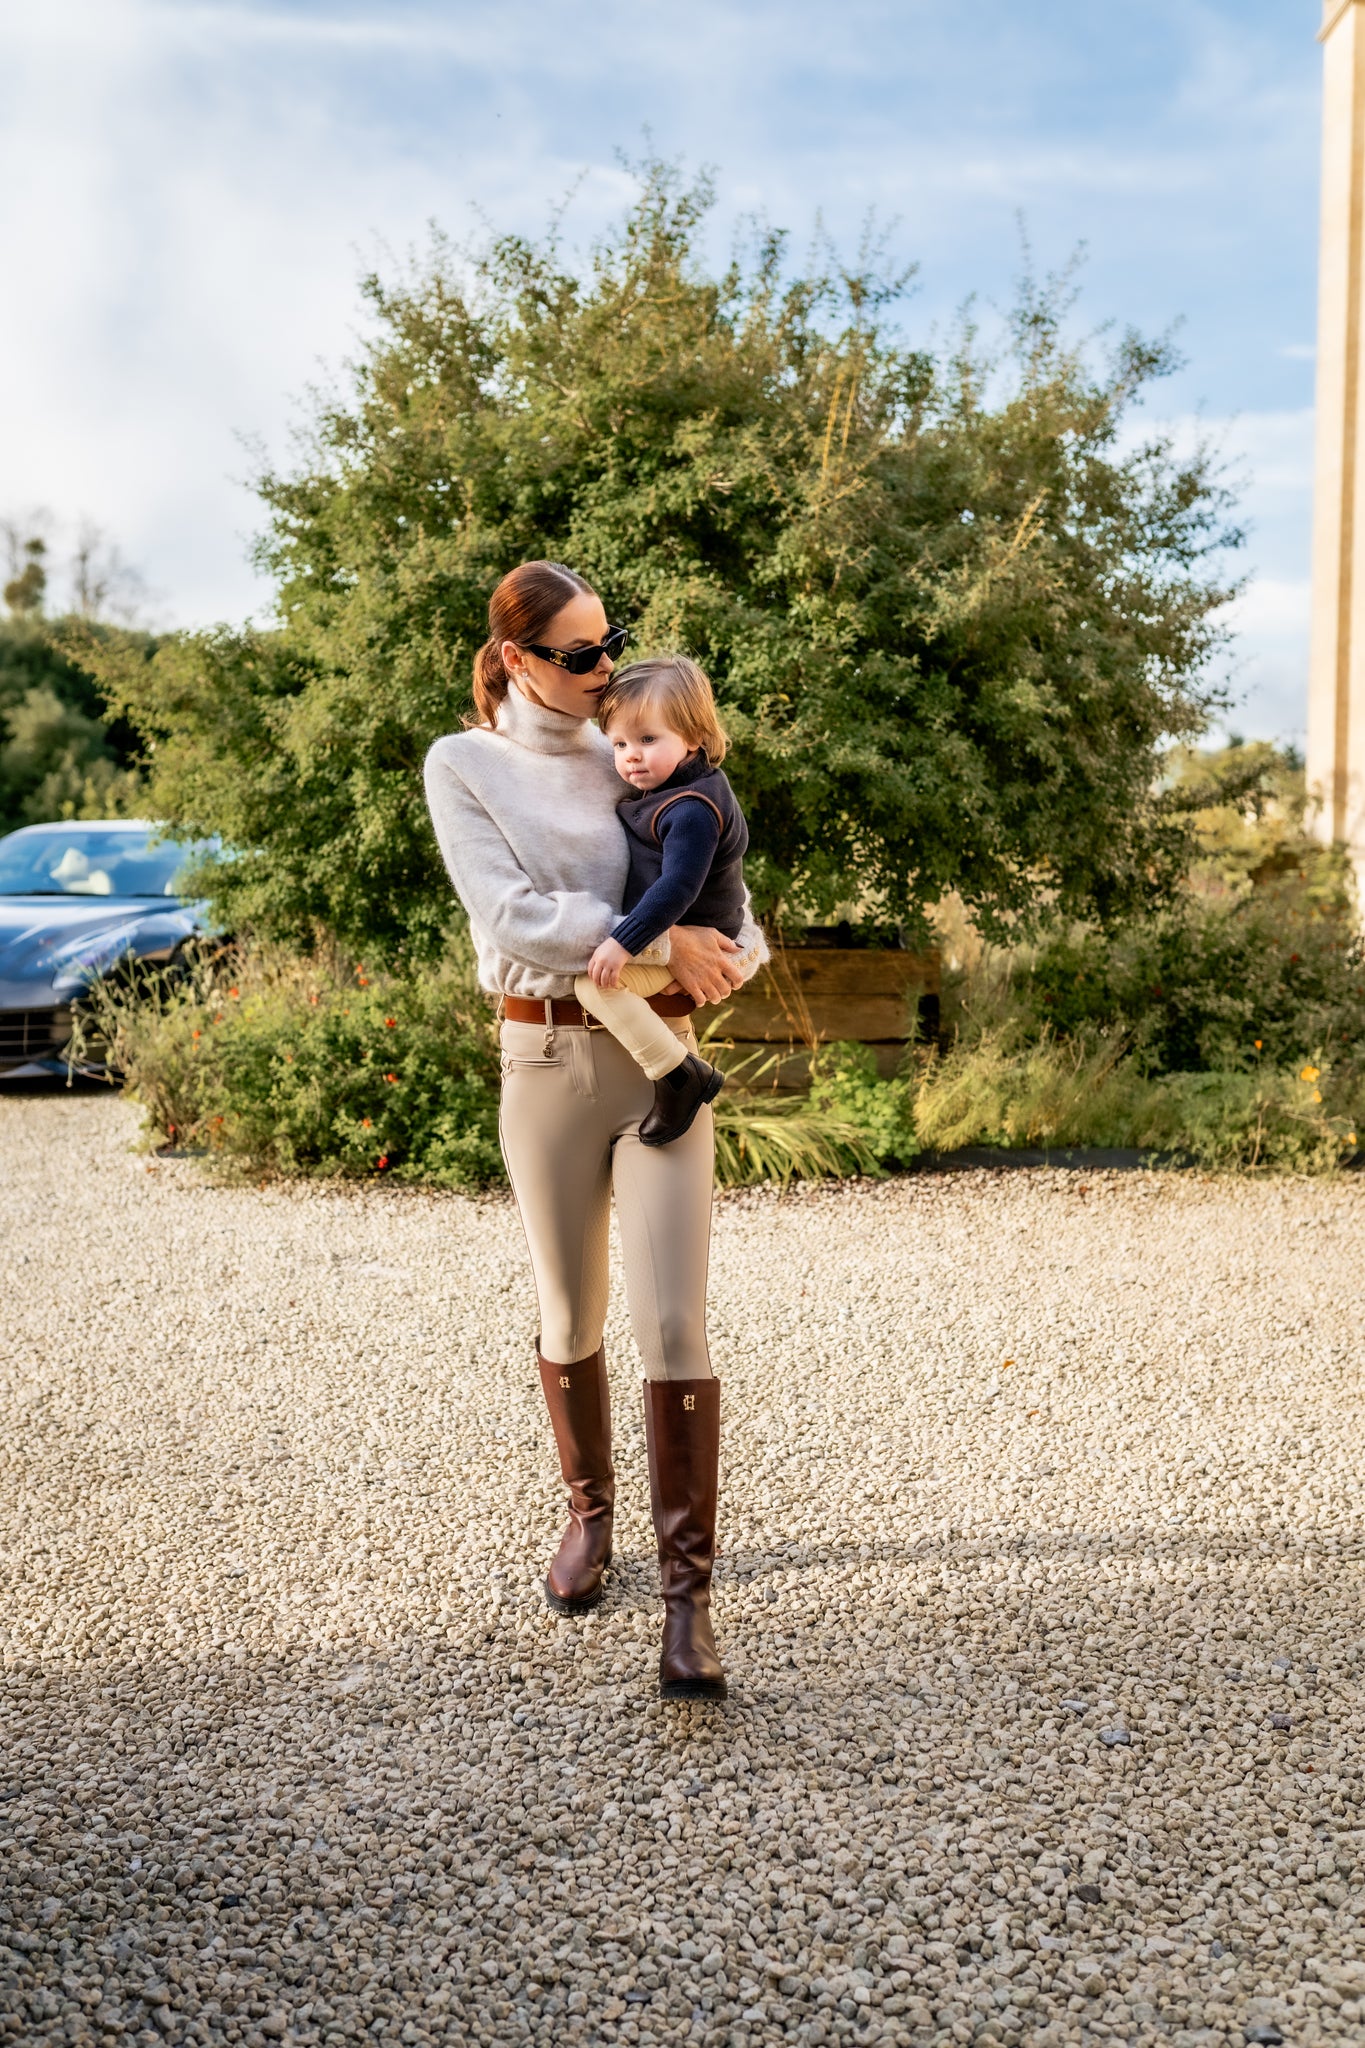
(590, 1023)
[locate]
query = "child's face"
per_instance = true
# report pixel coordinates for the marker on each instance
(645, 752)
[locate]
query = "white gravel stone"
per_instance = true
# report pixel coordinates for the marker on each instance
(291, 1749)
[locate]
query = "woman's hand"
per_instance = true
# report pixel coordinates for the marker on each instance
(703, 962)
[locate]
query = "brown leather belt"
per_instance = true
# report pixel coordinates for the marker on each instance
(565, 1012)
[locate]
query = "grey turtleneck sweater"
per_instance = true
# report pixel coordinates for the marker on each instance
(526, 820)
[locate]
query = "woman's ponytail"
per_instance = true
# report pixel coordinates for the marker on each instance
(521, 609)
(491, 682)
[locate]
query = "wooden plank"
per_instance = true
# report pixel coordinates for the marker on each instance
(827, 992)
(790, 1073)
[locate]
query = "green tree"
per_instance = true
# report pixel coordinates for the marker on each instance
(951, 612)
(27, 583)
(62, 753)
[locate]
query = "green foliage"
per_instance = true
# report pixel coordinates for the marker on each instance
(279, 1065)
(61, 755)
(762, 1136)
(1248, 804)
(950, 619)
(26, 588)
(273, 1064)
(845, 1082)
(1003, 1089)
(1274, 976)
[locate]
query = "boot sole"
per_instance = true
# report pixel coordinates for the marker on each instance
(692, 1689)
(581, 1605)
(713, 1088)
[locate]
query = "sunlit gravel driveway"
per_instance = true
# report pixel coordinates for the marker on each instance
(1040, 1597)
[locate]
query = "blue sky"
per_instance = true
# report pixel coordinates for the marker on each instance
(189, 191)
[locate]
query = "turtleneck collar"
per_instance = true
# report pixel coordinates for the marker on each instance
(540, 730)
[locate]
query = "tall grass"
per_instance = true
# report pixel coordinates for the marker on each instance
(1003, 1089)
(763, 1136)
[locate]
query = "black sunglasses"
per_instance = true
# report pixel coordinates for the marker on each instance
(583, 660)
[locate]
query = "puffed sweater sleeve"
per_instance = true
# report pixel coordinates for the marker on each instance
(557, 930)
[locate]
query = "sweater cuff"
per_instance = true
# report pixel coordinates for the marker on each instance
(655, 954)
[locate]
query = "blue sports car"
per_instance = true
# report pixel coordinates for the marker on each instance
(77, 901)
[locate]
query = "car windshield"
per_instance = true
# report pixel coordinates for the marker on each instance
(91, 860)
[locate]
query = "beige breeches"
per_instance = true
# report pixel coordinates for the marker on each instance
(644, 1034)
(568, 1126)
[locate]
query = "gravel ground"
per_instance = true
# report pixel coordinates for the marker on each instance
(1040, 1597)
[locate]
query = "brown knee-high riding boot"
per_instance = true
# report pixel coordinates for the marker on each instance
(682, 1432)
(579, 1402)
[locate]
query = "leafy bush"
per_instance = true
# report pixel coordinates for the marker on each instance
(274, 1063)
(845, 1083)
(1209, 987)
(952, 608)
(277, 1065)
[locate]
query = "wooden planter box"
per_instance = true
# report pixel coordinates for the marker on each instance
(810, 995)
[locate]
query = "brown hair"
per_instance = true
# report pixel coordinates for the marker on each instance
(521, 608)
(678, 691)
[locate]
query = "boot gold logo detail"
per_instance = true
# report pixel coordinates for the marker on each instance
(564, 1379)
(689, 1401)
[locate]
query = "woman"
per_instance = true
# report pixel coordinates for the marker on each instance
(524, 806)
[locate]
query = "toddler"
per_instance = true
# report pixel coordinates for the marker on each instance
(687, 838)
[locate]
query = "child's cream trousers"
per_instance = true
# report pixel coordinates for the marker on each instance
(642, 1031)
(626, 1014)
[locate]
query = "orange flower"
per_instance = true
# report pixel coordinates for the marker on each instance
(233, 994)
(363, 979)
(382, 1161)
(1258, 1045)
(315, 998)
(1308, 1074)
(366, 1121)
(390, 1023)
(390, 1077)
(196, 1034)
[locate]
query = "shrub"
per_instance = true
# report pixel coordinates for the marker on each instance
(274, 1063)
(845, 1083)
(1209, 987)
(278, 1065)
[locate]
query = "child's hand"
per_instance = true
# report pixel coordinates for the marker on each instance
(605, 966)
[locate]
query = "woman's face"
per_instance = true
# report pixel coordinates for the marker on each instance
(582, 623)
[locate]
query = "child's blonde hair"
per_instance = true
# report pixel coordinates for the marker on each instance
(677, 691)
